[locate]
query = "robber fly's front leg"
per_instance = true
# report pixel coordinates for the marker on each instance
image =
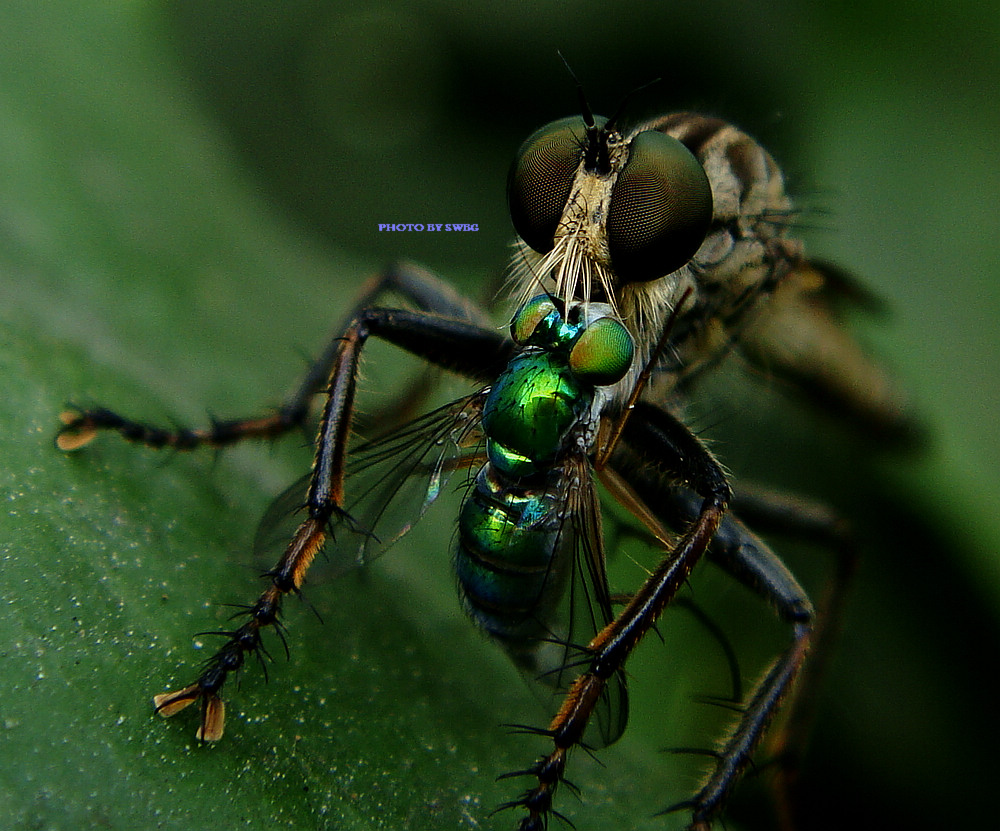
(682, 457)
(447, 332)
(457, 345)
(412, 283)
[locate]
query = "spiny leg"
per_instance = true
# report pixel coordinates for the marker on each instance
(428, 293)
(466, 348)
(770, 511)
(460, 346)
(416, 285)
(446, 335)
(680, 456)
(752, 562)
(747, 558)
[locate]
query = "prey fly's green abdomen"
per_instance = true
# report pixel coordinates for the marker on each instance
(506, 546)
(507, 526)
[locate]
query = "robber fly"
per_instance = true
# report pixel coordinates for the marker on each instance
(644, 257)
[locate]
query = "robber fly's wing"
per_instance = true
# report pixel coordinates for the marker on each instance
(389, 483)
(586, 606)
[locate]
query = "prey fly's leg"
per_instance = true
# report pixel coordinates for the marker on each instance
(463, 347)
(680, 456)
(414, 284)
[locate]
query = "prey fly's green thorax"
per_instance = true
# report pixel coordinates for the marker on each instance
(550, 386)
(645, 257)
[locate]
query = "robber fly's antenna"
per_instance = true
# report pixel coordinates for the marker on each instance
(596, 139)
(611, 125)
(585, 111)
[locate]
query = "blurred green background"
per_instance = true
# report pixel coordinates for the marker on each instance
(189, 198)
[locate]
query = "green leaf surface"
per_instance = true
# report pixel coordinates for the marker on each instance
(189, 198)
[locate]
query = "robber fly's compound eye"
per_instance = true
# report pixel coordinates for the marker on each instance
(540, 179)
(661, 208)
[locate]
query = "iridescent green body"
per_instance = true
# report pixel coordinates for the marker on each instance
(513, 534)
(529, 409)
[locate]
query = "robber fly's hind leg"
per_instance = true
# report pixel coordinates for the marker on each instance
(749, 559)
(741, 553)
(415, 285)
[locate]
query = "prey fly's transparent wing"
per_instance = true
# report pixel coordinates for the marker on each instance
(389, 484)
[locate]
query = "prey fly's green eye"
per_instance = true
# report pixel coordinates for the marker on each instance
(603, 353)
(530, 316)
(661, 207)
(540, 178)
